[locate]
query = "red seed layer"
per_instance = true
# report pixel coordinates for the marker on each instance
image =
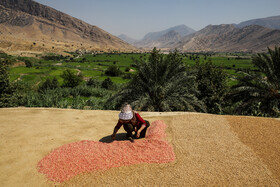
(87, 156)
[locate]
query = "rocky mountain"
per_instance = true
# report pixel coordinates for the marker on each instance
(165, 41)
(269, 22)
(228, 38)
(162, 38)
(253, 35)
(127, 39)
(26, 25)
(183, 30)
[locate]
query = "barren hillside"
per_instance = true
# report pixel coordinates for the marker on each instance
(30, 26)
(228, 38)
(210, 150)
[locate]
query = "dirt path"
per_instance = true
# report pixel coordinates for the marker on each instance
(210, 150)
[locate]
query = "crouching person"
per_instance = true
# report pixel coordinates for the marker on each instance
(132, 122)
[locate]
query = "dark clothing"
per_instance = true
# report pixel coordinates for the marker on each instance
(133, 125)
(143, 132)
(129, 128)
(137, 121)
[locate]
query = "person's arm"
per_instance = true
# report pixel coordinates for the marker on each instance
(139, 131)
(117, 127)
(143, 122)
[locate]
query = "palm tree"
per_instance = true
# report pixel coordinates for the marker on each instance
(259, 93)
(161, 84)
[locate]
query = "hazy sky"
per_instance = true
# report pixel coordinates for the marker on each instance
(135, 18)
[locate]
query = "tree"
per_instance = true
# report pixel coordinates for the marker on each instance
(28, 64)
(259, 93)
(70, 79)
(49, 84)
(107, 84)
(7, 98)
(113, 71)
(161, 84)
(212, 85)
(93, 83)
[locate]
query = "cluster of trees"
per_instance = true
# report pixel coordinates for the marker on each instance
(6, 89)
(164, 83)
(258, 93)
(74, 92)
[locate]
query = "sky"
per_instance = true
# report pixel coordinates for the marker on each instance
(135, 18)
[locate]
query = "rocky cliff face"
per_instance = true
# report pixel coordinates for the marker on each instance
(28, 20)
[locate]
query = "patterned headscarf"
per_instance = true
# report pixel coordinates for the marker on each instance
(126, 112)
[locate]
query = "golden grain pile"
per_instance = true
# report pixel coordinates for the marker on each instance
(210, 149)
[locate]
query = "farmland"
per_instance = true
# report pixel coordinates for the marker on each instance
(40, 81)
(94, 66)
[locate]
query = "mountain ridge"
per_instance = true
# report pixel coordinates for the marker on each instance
(228, 38)
(127, 38)
(250, 36)
(28, 26)
(272, 22)
(180, 29)
(155, 39)
(26, 22)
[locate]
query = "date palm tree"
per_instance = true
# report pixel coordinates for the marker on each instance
(161, 84)
(259, 93)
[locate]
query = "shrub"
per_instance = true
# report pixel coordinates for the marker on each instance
(107, 84)
(127, 76)
(93, 83)
(113, 71)
(127, 69)
(70, 79)
(49, 84)
(7, 98)
(28, 64)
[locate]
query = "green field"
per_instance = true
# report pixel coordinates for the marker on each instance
(95, 65)
(32, 74)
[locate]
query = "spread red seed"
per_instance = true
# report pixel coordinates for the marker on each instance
(88, 156)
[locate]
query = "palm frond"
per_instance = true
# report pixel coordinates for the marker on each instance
(260, 92)
(161, 84)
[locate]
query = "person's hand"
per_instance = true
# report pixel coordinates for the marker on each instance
(113, 136)
(138, 134)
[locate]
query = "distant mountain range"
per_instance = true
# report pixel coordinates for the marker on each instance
(269, 22)
(229, 38)
(160, 39)
(26, 25)
(127, 39)
(182, 30)
(248, 36)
